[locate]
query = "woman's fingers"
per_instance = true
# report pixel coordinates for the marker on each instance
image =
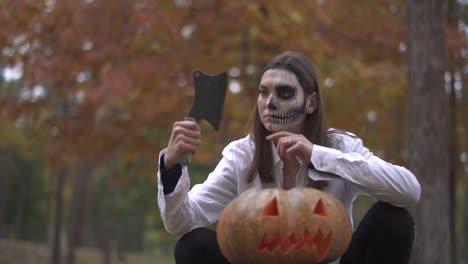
(283, 141)
(279, 139)
(291, 145)
(186, 128)
(276, 136)
(301, 149)
(185, 144)
(185, 137)
(283, 144)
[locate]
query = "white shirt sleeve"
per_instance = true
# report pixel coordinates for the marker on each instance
(355, 163)
(184, 210)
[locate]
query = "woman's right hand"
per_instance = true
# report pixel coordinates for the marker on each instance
(185, 137)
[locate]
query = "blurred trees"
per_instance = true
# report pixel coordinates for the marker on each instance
(23, 187)
(102, 81)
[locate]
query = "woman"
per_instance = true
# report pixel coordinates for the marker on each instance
(288, 147)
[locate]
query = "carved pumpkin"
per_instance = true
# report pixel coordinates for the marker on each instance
(302, 225)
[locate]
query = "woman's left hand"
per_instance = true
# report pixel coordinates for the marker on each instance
(290, 145)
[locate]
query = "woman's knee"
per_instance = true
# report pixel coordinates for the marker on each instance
(392, 220)
(199, 246)
(192, 243)
(390, 212)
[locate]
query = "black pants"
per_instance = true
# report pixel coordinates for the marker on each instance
(385, 235)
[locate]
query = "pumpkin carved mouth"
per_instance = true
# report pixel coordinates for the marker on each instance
(291, 244)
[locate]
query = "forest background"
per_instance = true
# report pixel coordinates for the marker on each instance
(90, 88)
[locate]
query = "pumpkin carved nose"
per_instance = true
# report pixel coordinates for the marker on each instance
(271, 209)
(320, 208)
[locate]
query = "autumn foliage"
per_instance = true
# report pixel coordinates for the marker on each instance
(116, 74)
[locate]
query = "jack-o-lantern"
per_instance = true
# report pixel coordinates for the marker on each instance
(301, 225)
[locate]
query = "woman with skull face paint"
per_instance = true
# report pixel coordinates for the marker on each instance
(288, 147)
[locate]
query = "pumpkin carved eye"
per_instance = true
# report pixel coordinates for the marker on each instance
(320, 208)
(271, 209)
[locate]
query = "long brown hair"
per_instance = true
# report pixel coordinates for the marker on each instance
(314, 128)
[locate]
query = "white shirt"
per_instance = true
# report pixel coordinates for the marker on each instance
(349, 167)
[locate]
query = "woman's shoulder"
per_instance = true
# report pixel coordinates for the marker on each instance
(243, 145)
(341, 139)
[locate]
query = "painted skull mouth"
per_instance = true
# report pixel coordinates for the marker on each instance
(291, 244)
(282, 118)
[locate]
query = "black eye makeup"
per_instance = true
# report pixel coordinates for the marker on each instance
(286, 92)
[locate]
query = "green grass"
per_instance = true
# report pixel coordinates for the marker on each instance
(24, 252)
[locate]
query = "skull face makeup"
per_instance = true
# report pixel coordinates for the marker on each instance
(281, 101)
(286, 107)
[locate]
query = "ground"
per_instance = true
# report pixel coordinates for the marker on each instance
(23, 252)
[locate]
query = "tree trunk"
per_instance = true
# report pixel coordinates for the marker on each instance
(140, 231)
(105, 220)
(464, 253)
(454, 65)
(428, 132)
(21, 200)
(56, 243)
(75, 224)
(5, 163)
(120, 240)
(453, 159)
(464, 122)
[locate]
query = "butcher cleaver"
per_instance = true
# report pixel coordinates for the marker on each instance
(210, 92)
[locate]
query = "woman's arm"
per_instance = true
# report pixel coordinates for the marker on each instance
(183, 210)
(354, 162)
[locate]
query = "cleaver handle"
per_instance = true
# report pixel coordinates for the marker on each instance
(186, 159)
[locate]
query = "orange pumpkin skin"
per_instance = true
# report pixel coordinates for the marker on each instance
(301, 225)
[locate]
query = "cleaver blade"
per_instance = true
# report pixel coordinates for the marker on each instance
(210, 94)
